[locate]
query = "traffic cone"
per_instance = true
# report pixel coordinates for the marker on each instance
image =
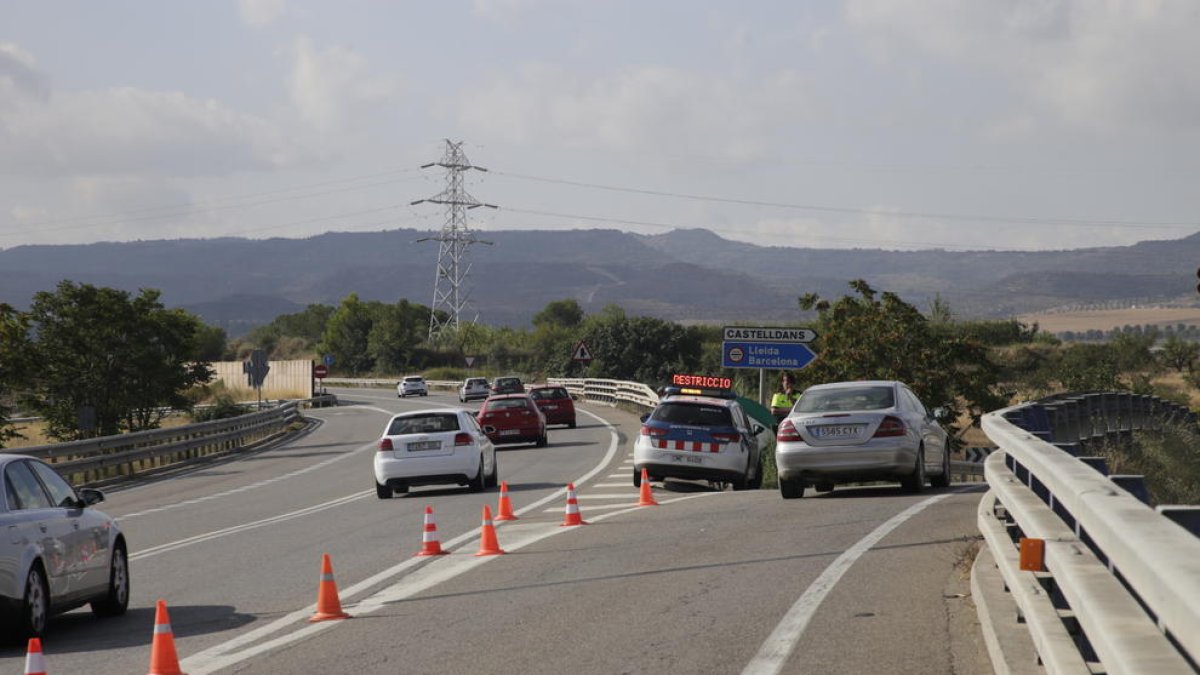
(329, 607)
(504, 510)
(163, 660)
(487, 536)
(35, 663)
(573, 517)
(429, 541)
(646, 498)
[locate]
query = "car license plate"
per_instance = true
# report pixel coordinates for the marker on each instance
(837, 430)
(510, 432)
(550, 407)
(424, 445)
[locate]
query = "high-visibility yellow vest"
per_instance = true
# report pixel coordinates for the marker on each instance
(782, 400)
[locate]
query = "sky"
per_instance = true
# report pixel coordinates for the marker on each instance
(918, 124)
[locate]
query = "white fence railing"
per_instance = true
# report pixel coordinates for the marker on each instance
(609, 392)
(1120, 590)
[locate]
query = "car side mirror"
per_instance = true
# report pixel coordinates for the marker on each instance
(489, 430)
(757, 430)
(941, 414)
(645, 417)
(90, 496)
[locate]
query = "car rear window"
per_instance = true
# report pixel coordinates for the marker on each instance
(423, 424)
(507, 404)
(412, 379)
(507, 382)
(693, 414)
(846, 400)
(543, 394)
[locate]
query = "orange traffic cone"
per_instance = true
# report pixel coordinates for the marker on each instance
(429, 541)
(163, 660)
(573, 517)
(35, 663)
(329, 607)
(646, 498)
(488, 545)
(504, 511)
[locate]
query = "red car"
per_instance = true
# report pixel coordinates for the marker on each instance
(555, 403)
(513, 418)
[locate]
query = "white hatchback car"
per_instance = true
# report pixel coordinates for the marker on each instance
(857, 432)
(413, 385)
(474, 387)
(434, 447)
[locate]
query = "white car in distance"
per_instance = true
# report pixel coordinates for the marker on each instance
(413, 385)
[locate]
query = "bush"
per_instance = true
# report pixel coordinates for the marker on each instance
(224, 407)
(1168, 460)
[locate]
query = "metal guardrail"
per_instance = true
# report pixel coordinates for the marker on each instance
(609, 392)
(1120, 590)
(98, 459)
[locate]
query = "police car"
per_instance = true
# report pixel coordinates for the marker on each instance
(700, 434)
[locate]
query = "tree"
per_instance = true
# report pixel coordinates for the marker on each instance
(347, 336)
(108, 361)
(15, 365)
(563, 313)
(397, 331)
(869, 336)
(1180, 354)
(642, 349)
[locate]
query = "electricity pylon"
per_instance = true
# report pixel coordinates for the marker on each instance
(450, 291)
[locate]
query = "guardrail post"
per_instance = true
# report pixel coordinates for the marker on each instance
(1187, 517)
(1134, 484)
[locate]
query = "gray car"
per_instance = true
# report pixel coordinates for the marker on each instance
(860, 431)
(60, 552)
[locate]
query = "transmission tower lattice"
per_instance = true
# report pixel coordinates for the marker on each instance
(450, 291)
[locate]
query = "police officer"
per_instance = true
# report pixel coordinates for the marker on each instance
(784, 398)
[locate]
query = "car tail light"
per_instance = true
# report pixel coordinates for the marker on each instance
(462, 438)
(725, 438)
(385, 445)
(653, 431)
(787, 433)
(890, 426)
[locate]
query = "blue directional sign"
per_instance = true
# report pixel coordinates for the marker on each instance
(770, 355)
(329, 360)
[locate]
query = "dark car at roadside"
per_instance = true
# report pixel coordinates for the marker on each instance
(555, 402)
(508, 384)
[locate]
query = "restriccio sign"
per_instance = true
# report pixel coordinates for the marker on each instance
(703, 381)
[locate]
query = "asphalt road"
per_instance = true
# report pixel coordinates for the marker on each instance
(857, 581)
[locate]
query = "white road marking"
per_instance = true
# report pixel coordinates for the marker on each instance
(261, 483)
(222, 655)
(774, 652)
(610, 495)
(590, 508)
(608, 485)
(427, 577)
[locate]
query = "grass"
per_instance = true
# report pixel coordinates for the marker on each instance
(1169, 460)
(34, 433)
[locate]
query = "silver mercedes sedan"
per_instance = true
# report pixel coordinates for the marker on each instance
(847, 432)
(60, 552)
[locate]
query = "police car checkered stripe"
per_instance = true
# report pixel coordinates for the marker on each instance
(693, 446)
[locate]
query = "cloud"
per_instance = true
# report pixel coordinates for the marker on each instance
(331, 87)
(261, 12)
(19, 76)
(133, 131)
(653, 109)
(1125, 65)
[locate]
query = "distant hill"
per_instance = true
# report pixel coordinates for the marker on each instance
(687, 275)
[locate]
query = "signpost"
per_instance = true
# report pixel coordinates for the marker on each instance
(764, 347)
(320, 372)
(256, 370)
(581, 353)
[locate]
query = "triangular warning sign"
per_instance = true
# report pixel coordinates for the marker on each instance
(581, 353)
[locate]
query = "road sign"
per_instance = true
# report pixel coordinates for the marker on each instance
(772, 355)
(329, 360)
(256, 368)
(581, 353)
(320, 371)
(470, 361)
(768, 334)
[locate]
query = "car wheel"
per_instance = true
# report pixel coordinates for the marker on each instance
(944, 479)
(117, 600)
(543, 441)
(756, 482)
(35, 606)
(791, 489)
(383, 491)
(494, 479)
(477, 483)
(571, 424)
(637, 477)
(915, 482)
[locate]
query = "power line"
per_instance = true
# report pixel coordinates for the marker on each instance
(860, 211)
